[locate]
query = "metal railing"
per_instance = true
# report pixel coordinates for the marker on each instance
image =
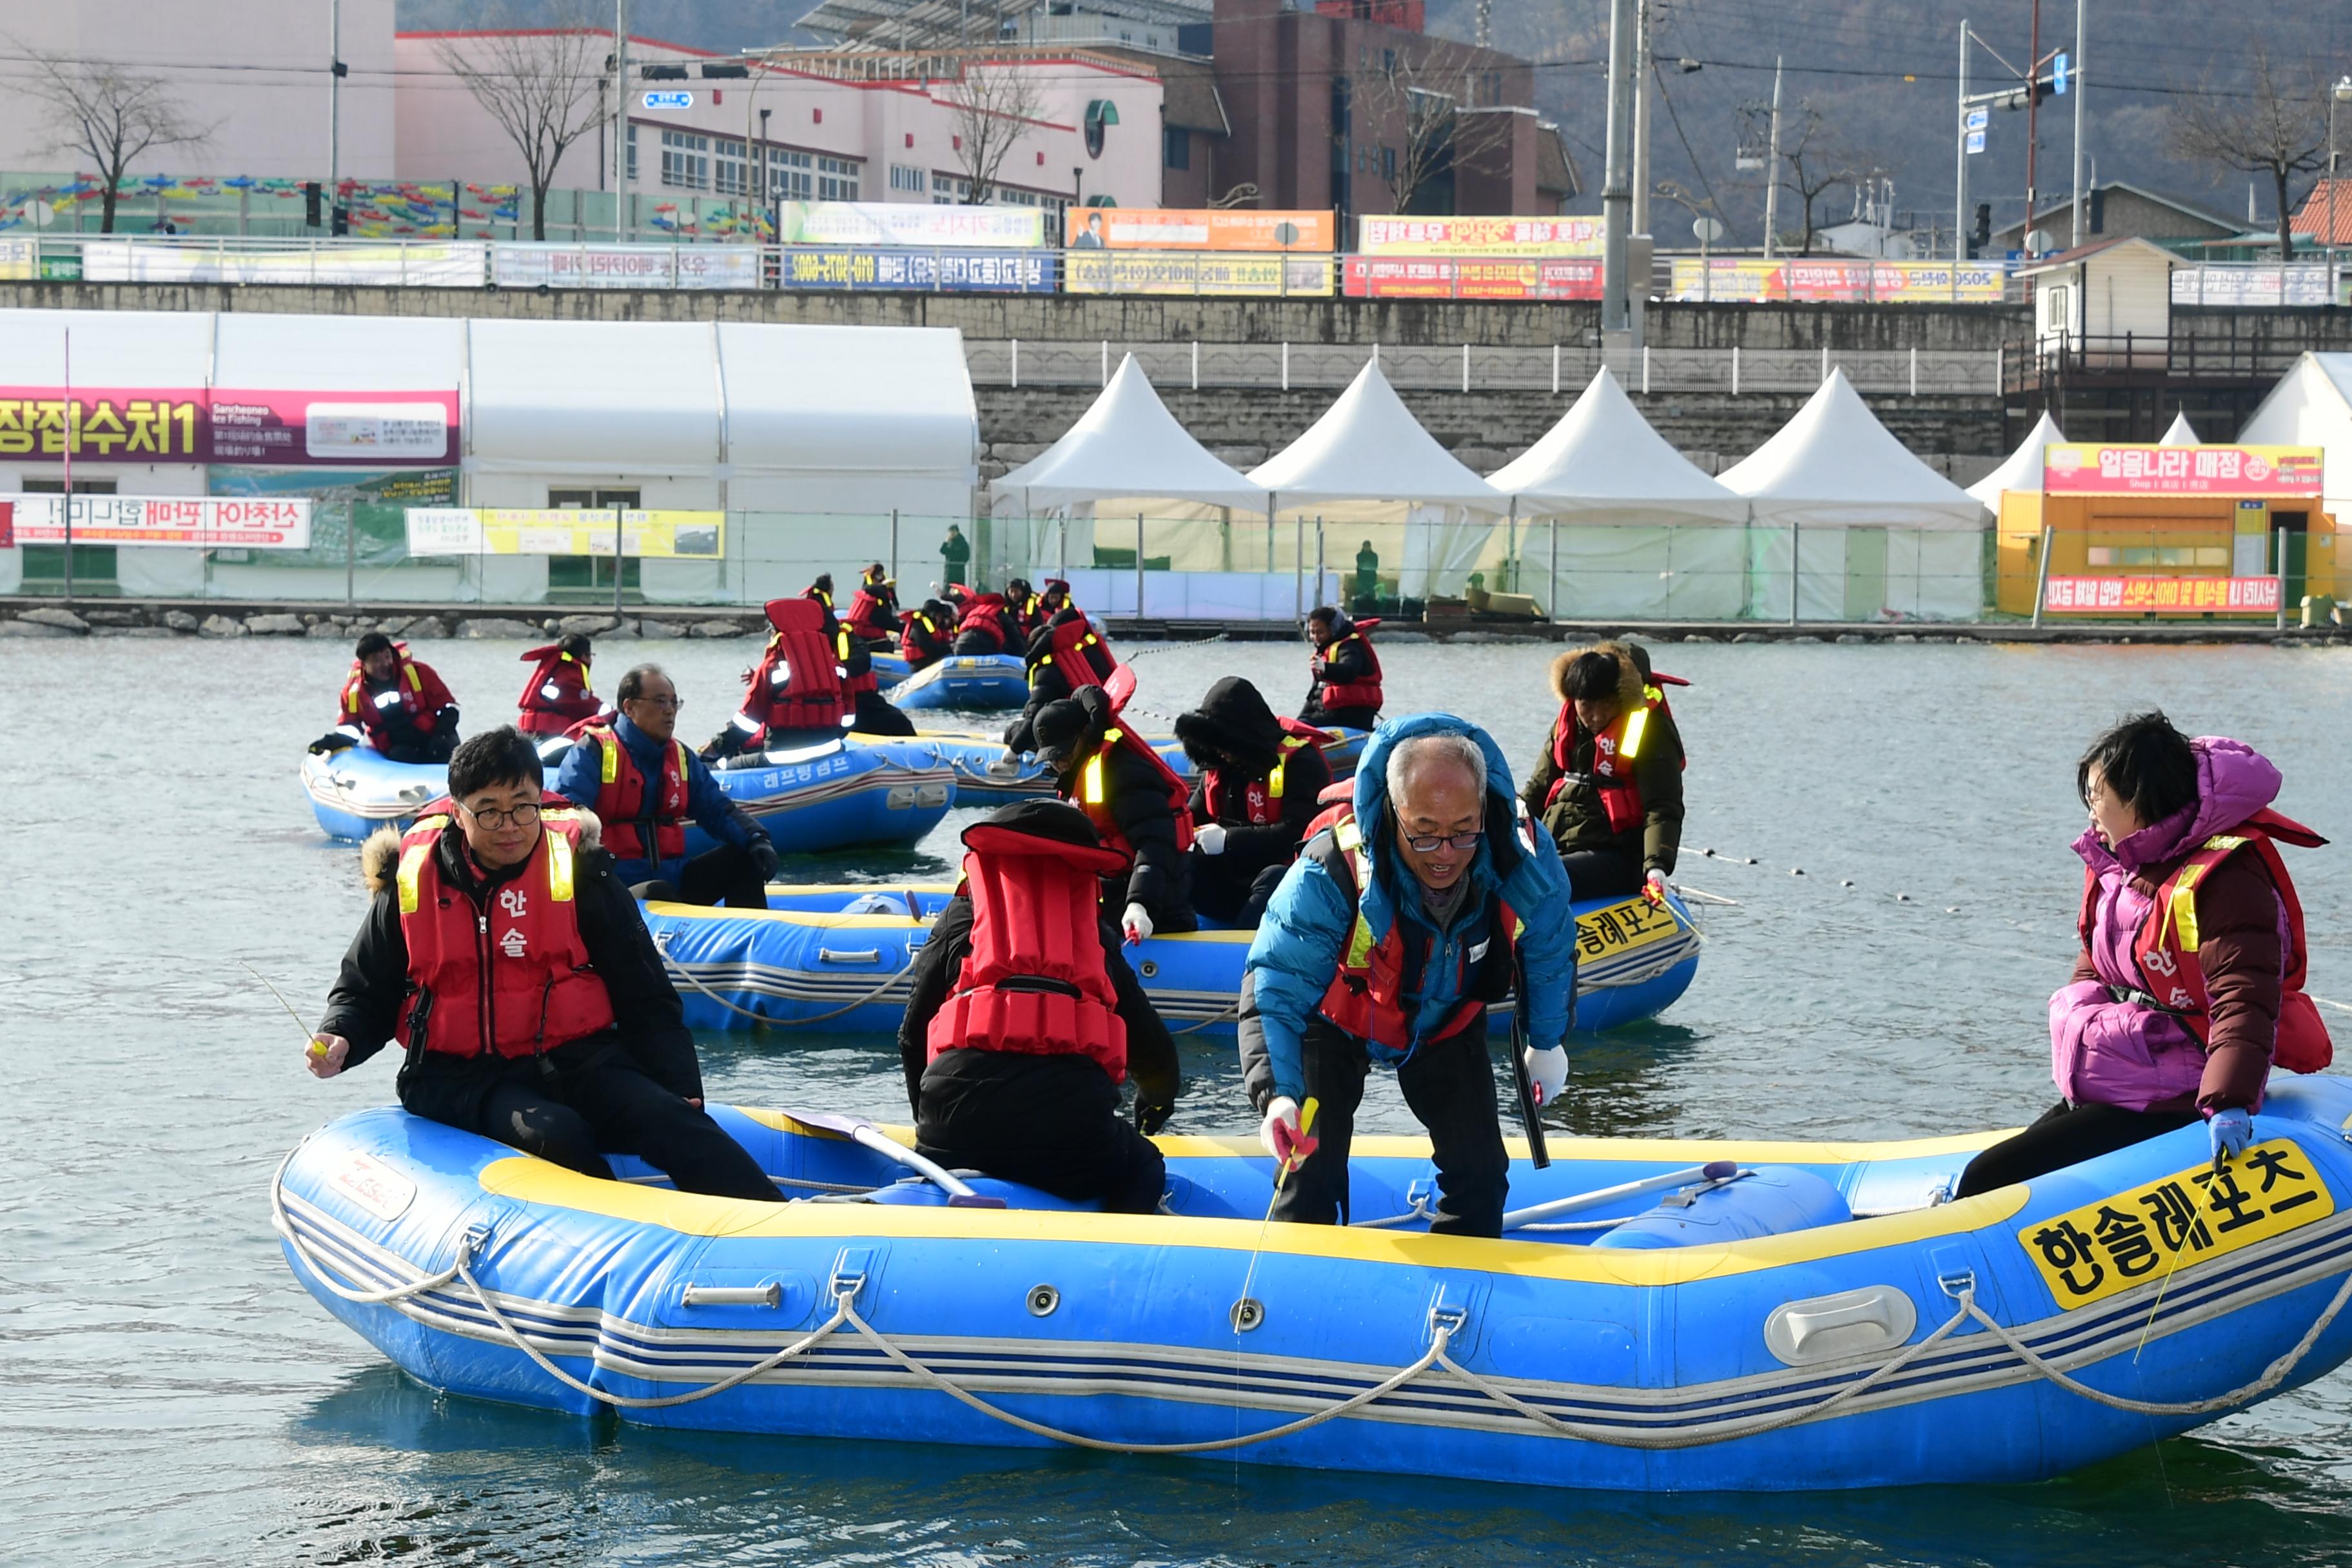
(2030, 364)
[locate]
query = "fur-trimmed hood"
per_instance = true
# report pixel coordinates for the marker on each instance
(380, 855)
(1631, 671)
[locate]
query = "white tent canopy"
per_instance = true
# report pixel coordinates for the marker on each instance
(1882, 533)
(1369, 446)
(1603, 463)
(2181, 433)
(2312, 406)
(2022, 471)
(1125, 444)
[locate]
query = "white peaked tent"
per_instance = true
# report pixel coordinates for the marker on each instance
(2022, 471)
(2312, 406)
(1368, 469)
(1125, 461)
(1877, 531)
(2182, 433)
(1612, 520)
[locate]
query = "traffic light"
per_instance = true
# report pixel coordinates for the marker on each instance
(1984, 223)
(310, 204)
(342, 221)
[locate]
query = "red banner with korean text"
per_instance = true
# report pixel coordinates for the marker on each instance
(207, 425)
(2092, 468)
(1471, 277)
(2162, 595)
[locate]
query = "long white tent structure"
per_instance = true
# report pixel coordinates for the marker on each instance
(1368, 468)
(1876, 532)
(810, 437)
(1610, 520)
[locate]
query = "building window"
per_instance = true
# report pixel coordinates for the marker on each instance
(789, 178)
(633, 154)
(1178, 151)
(730, 174)
(1388, 162)
(686, 160)
(837, 179)
(578, 579)
(948, 190)
(93, 564)
(912, 181)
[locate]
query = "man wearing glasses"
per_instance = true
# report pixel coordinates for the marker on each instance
(516, 974)
(644, 784)
(1396, 929)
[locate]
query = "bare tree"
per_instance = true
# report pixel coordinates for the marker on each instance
(1815, 168)
(1424, 102)
(109, 115)
(990, 108)
(544, 81)
(2276, 125)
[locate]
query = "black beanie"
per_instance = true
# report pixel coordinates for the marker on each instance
(1046, 819)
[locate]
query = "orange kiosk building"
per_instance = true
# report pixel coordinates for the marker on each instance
(2134, 532)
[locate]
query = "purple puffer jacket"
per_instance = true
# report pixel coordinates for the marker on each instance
(2105, 1052)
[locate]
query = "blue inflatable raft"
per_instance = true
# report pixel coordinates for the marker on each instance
(1659, 1316)
(983, 776)
(974, 683)
(357, 790)
(889, 668)
(834, 796)
(840, 957)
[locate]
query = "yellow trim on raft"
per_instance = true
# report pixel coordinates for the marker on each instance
(528, 1180)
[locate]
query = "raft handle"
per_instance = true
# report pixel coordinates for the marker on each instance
(849, 955)
(771, 1294)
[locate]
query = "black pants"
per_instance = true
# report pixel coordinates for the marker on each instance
(1051, 1123)
(724, 875)
(1232, 896)
(1346, 718)
(1449, 1085)
(569, 1114)
(409, 745)
(2066, 1135)
(877, 715)
(1601, 873)
(978, 645)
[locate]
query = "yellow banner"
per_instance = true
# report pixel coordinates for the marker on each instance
(1196, 272)
(2142, 1236)
(504, 531)
(1620, 928)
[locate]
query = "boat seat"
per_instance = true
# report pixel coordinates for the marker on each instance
(1768, 1200)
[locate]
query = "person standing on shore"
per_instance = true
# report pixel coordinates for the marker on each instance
(955, 550)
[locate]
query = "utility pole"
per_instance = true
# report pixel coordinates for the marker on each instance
(2033, 118)
(1642, 117)
(1960, 169)
(620, 128)
(334, 110)
(1616, 205)
(2074, 234)
(1772, 168)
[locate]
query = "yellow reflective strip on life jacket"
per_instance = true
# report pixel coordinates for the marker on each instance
(608, 769)
(1359, 945)
(558, 867)
(1346, 834)
(412, 865)
(1281, 764)
(416, 683)
(1090, 780)
(683, 773)
(1635, 723)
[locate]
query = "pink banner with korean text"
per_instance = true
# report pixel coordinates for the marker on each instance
(228, 424)
(2162, 595)
(203, 521)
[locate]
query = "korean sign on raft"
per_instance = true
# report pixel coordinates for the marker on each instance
(500, 530)
(205, 521)
(2140, 1236)
(2145, 595)
(206, 425)
(2087, 468)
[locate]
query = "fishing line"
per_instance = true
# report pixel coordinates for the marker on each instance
(309, 1036)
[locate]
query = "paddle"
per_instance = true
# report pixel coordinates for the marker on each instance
(1530, 1114)
(864, 1133)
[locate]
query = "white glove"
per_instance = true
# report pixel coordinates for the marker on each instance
(1211, 838)
(1656, 881)
(1548, 1070)
(1285, 1110)
(1136, 923)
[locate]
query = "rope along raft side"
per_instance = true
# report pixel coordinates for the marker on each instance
(1465, 1350)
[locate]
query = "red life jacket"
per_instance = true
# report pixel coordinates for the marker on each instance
(541, 714)
(1261, 798)
(985, 613)
(856, 665)
(1083, 657)
(1364, 693)
(512, 977)
(809, 694)
(1368, 996)
(869, 614)
(1034, 983)
(620, 802)
(1094, 796)
(2166, 949)
(359, 703)
(920, 641)
(1614, 752)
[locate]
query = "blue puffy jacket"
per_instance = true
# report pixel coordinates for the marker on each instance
(1297, 951)
(707, 806)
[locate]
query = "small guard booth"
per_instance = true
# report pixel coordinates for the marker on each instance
(2137, 531)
